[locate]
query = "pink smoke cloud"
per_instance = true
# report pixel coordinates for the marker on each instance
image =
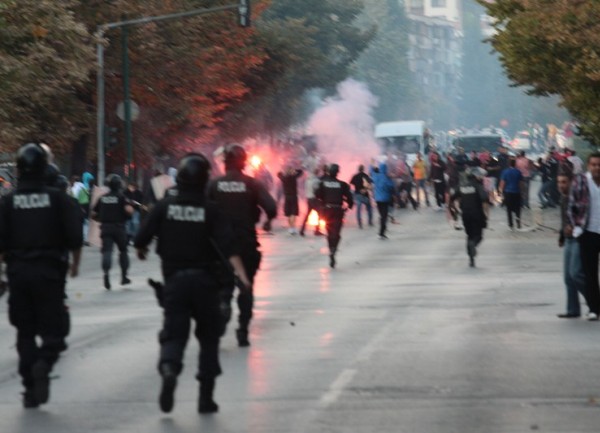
(344, 127)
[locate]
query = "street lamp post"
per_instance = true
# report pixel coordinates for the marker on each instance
(243, 8)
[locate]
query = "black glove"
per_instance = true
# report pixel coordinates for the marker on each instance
(158, 290)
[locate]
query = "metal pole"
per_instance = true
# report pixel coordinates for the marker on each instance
(192, 13)
(100, 114)
(127, 100)
(100, 109)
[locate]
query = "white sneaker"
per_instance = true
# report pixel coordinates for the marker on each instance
(592, 317)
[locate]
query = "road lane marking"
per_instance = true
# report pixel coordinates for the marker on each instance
(336, 388)
(346, 376)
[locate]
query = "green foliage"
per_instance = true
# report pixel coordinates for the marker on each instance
(487, 94)
(196, 80)
(45, 58)
(551, 46)
(185, 73)
(310, 44)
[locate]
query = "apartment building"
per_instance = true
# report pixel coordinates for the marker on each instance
(436, 47)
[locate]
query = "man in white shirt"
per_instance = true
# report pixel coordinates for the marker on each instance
(584, 215)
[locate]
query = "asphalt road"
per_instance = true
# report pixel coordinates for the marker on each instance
(401, 337)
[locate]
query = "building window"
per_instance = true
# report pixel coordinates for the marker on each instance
(438, 3)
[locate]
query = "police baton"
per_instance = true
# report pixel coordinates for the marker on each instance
(158, 290)
(236, 280)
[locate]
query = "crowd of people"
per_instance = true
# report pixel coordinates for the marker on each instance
(43, 229)
(468, 185)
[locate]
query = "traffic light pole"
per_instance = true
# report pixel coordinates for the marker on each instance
(243, 8)
(100, 134)
(127, 100)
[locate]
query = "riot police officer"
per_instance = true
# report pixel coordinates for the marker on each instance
(54, 179)
(241, 197)
(189, 231)
(333, 193)
(474, 208)
(38, 227)
(112, 211)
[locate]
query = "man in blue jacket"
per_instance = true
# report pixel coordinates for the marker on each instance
(383, 188)
(510, 187)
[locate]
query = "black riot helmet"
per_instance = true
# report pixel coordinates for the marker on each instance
(235, 157)
(51, 174)
(334, 169)
(114, 182)
(193, 172)
(31, 161)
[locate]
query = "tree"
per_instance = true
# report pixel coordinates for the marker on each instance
(184, 73)
(309, 44)
(45, 59)
(197, 81)
(551, 47)
(487, 95)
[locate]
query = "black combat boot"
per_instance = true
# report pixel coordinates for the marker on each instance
(332, 260)
(472, 252)
(125, 280)
(106, 282)
(166, 399)
(242, 337)
(206, 404)
(29, 401)
(41, 381)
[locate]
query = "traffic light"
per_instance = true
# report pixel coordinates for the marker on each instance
(110, 137)
(244, 12)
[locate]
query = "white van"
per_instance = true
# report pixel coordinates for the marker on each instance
(407, 137)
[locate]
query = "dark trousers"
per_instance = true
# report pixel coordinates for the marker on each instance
(191, 294)
(313, 204)
(589, 244)
(474, 229)
(334, 220)
(251, 259)
(245, 300)
(512, 201)
(383, 207)
(440, 192)
(407, 188)
(36, 308)
(114, 234)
